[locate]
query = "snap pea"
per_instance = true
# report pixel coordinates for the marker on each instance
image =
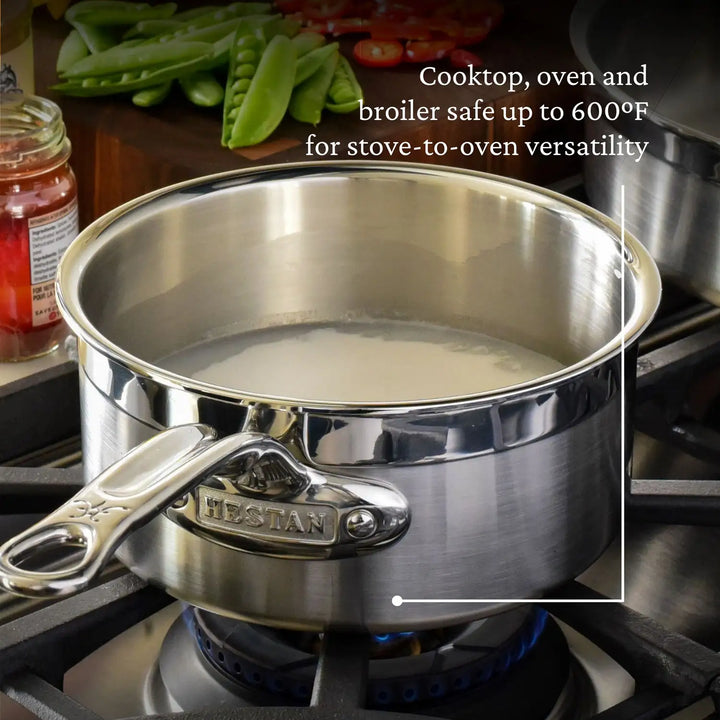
(214, 16)
(250, 8)
(201, 88)
(221, 52)
(72, 50)
(127, 82)
(238, 9)
(263, 106)
(345, 92)
(212, 33)
(116, 12)
(307, 41)
(97, 39)
(308, 98)
(193, 13)
(153, 95)
(244, 56)
(311, 62)
(120, 58)
(151, 28)
(287, 26)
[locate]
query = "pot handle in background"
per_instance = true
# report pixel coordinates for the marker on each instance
(357, 514)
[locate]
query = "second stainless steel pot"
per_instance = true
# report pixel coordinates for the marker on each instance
(672, 194)
(329, 510)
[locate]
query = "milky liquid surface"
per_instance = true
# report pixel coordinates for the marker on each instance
(373, 361)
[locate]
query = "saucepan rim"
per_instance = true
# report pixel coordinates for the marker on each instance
(638, 263)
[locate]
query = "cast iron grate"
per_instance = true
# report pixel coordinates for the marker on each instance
(671, 671)
(665, 378)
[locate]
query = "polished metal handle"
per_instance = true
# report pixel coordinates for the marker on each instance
(291, 509)
(124, 497)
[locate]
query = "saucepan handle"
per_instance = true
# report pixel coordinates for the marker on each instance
(155, 474)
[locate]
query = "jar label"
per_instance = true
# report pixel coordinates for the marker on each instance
(49, 236)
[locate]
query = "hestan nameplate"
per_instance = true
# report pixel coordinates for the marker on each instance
(254, 518)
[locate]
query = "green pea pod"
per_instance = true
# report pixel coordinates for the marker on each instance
(152, 28)
(201, 88)
(244, 54)
(112, 12)
(96, 39)
(193, 13)
(119, 59)
(308, 98)
(72, 50)
(287, 26)
(126, 82)
(221, 14)
(345, 92)
(221, 52)
(153, 95)
(250, 8)
(268, 95)
(213, 33)
(220, 57)
(311, 62)
(307, 41)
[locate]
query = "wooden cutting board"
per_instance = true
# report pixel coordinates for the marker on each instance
(120, 151)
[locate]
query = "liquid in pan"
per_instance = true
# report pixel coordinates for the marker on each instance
(376, 361)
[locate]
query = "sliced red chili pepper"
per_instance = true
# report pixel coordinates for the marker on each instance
(393, 11)
(462, 58)
(485, 12)
(412, 29)
(428, 51)
(423, 8)
(361, 8)
(325, 9)
(453, 9)
(286, 7)
(378, 53)
(471, 35)
(312, 26)
(445, 26)
(346, 26)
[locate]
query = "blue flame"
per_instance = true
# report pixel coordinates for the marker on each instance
(389, 637)
(490, 667)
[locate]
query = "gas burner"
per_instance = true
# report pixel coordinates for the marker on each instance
(517, 663)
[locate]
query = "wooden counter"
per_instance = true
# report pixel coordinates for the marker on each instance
(120, 151)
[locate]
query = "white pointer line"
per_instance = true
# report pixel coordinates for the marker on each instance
(398, 600)
(622, 391)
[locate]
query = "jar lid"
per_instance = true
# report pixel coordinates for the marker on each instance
(32, 133)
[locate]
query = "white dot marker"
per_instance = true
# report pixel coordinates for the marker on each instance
(397, 600)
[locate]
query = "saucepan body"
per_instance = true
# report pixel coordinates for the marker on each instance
(492, 495)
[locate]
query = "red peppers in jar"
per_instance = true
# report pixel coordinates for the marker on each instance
(38, 220)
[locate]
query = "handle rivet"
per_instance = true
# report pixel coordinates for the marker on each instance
(360, 524)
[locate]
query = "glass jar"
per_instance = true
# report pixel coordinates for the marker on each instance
(38, 220)
(16, 47)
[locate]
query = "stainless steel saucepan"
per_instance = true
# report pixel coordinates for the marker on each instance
(316, 514)
(672, 193)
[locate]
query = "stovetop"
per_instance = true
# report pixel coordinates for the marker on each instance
(112, 649)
